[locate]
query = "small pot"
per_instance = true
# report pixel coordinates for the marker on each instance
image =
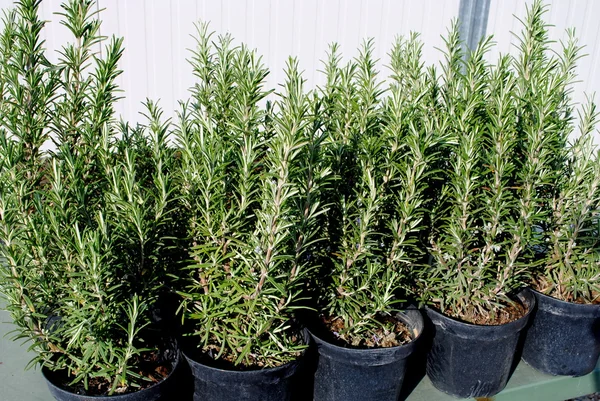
(346, 374)
(165, 390)
(272, 384)
(563, 337)
(472, 361)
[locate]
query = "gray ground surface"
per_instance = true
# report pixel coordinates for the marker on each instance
(591, 397)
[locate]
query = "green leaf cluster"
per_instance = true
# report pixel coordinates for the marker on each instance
(383, 147)
(250, 182)
(452, 185)
(456, 186)
(84, 223)
(570, 268)
(510, 124)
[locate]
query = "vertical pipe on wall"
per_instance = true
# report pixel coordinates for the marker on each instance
(473, 18)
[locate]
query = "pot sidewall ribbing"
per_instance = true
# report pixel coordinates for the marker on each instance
(469, 361)
(162, 391)
(272, 384)
(563, 338)
(347, 374)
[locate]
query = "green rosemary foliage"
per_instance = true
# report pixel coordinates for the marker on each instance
(544, 125)
(83, 225)
(381, 149)
(571, 264)
(29, 82)
(460, 269)
(510, 125)
(250, 183)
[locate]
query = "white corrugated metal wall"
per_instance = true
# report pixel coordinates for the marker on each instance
(157, 35)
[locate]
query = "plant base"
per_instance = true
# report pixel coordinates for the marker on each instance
(165, 390)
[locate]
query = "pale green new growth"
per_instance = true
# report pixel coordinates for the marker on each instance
(453, 189)
(250, 184)
(381, 149)
(572, 262)
(82, 225)
(510, 124)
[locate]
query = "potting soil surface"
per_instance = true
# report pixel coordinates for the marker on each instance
(526, 384)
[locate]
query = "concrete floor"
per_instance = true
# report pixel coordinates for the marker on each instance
(17, 384)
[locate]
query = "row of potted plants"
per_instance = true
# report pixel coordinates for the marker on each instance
(258, 227)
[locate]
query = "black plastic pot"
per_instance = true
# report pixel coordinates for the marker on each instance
(214, 384)
(563, 338)
(166, 390)
(470, 361)
(347, 374)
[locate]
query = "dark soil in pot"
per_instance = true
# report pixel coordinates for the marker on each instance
(471, 361)
(563, 338)
(362, 374)
(216, 384)
(172, 370)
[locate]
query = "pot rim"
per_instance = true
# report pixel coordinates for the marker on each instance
(46, 372)
(524, 294)
(247, 372)
(558, 306)
(560, 301)
(417, 320)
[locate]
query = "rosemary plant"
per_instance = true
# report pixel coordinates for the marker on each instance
(250, 184)
(382, 150)
(510, 123)
(571, 266)
(83, 225)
